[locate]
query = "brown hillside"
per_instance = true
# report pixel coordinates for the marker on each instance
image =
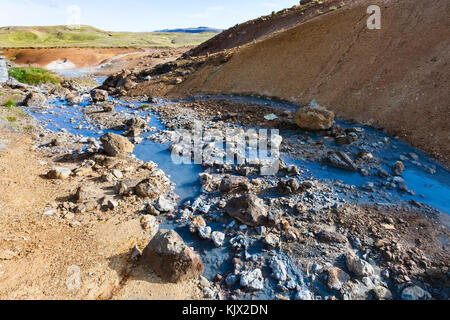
(260, 28)
(396, 77)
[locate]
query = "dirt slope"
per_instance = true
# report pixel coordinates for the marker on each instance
(257, 29)
(396, 78)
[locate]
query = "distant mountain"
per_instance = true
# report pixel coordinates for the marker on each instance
(192, 30)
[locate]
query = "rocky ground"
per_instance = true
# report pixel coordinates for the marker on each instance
(84, 201)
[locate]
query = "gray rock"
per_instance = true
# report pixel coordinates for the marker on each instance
(218, 238)
(278, 268)
(252, 280)
(415, 293)
(204, 232)
(98, 95)
(35, 99)
(337, 278)
(163, 204)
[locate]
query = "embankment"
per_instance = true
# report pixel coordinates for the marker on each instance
(396, 78)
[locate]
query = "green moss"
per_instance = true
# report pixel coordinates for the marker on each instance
(11, 119)
(34, 76)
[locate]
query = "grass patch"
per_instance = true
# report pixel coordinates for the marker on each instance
(86, 36)
(10, 103)
(34, 76)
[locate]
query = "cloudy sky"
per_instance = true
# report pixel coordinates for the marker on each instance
(136, 15)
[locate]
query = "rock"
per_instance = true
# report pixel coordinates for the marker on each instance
(116, 145)
(99, 95)
(359, 267)
(415, 293)
(252, 280)
(204, 232)
(231, 279)
(218, 238)
(126, 187)
(341, 160)
(331, 237)
(108, 108)
(162, 204)
(337, 278)
(398, 168)
(150, 223)
(197, 222)
(204, 283)
(304, 294)
(169, 256)
(34, 99)
(151, 188)
(85, 193)
(248, 209)
(314, 118)
(59, 173)
(230, 183)
(381, 293)
(108, 202)
(279, 269)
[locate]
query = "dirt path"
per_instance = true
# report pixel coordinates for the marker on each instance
(40, 253)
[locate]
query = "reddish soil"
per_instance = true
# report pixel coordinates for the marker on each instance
(396, 78)
(81, 57)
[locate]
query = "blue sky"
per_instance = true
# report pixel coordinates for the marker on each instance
(138, 15)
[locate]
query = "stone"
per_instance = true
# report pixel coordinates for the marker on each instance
(252, 280)
(197, 222)
(218, 238)
(126, 187)
(278, 269)
(150, 188)
(98, 95)
(204, 232)
(337, 278)
(314, 118)
(163, 204)
(304, 294)
(415, 293)
(358, 266)
(169, 256)
(116, 145)
(150, 223)
(230, 183)
(231, 279)
(85, 193)
(381, 293)
(34, 99)
(248, 209)
(331, 237)
(341, 160)
(398, 168)
(108, 108)
(59, 173)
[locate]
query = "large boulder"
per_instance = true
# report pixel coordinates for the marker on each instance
(314, 118)
(248, 209)
(169, 256)
(337, 278)
(98, 95)
(230, 183)
(59, 173)
(34, 99)
(116, 145)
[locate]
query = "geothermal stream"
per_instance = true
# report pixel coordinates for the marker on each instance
(427, 182)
